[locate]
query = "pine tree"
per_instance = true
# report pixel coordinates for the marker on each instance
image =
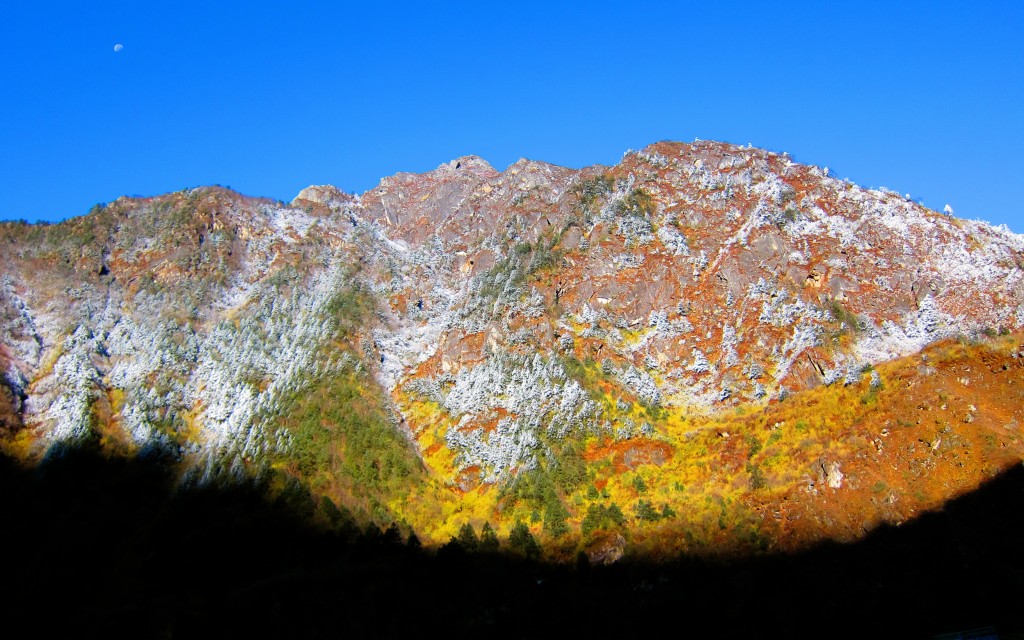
(488, 539)
(413, 541)
(521, 540)
(467, 538)
(645, 511)
(615, 514)
(392, 535)
(555, 516)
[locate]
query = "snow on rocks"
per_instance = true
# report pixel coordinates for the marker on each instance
(535, 399)
(73, 388)
(916, 329)
(707, 286)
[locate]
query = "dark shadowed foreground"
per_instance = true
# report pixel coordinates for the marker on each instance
(102, 548)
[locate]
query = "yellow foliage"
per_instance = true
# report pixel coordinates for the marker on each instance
(116, 400)
(20, 446)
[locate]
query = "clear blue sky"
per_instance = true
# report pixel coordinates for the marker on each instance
(925, 98)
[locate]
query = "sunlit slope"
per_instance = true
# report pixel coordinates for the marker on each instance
(827, 463)
(697, 349)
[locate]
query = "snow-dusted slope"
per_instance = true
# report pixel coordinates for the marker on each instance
(515, 309)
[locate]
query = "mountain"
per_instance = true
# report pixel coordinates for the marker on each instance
(704, 348)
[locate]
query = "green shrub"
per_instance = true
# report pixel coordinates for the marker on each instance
(753, 445)
(637, 203)
(757, 479)
(844, 317)
(589, 191)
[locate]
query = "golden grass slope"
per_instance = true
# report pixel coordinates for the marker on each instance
(827, 463)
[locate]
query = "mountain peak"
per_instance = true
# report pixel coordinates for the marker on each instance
(481, 327)
(323, 195)
(470, 164)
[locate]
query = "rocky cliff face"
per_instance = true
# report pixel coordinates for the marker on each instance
(502, 313)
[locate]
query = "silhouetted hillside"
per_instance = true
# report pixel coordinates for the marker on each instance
(98, 548)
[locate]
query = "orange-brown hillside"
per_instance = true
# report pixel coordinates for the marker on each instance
(704, 348)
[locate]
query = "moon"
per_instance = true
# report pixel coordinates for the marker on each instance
(118, 46)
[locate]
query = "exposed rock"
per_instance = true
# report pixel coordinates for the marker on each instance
(607, 549)
(829, 473)
(191, 317)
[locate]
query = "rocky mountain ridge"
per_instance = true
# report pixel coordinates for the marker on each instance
(495, 320)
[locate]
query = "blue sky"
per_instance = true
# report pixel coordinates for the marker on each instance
(925, 98)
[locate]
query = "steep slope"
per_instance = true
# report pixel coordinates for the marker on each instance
(505, 337)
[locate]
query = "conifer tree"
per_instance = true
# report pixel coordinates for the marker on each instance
(488, 539)
(467, 538)
(521, 540)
